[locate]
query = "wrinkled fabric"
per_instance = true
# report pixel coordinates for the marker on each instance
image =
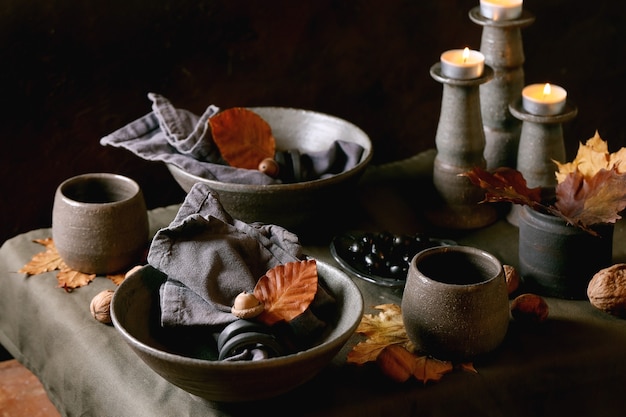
(183, 139)
(210, 258)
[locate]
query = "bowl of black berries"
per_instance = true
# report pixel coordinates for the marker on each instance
(381, 258)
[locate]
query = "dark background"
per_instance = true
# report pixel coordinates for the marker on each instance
(74, 71)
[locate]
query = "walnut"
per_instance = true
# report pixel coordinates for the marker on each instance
(100, 306)
(512, 278)
(607, 290)
(529, 308)
(246, 306)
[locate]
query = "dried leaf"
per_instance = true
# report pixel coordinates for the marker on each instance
(243, 138)
(468, 367)
(287, 290)
(117, 278)
(46, 261)
(431, 369)
(69, 279)
(384, 329)
(586, 201)
(50, 260)
(591, 157)
(505, 185)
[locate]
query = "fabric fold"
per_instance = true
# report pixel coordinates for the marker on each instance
(181, 138)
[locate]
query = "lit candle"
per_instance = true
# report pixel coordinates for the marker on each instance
(501, 9)
(543, 99)
(462, 64)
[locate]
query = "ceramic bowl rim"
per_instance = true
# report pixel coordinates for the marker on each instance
(256, 188)
(285, 360)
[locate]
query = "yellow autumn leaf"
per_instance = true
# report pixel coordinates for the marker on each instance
(592, 157)
(383, 329)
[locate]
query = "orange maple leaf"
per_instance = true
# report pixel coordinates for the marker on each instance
(287, 290)
(387, 329)
(46, 261)
(243, 138)
(69, 279)
(50, 260)
(430, 369)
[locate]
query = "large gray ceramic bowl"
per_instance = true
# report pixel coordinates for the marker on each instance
(178, 357)
(300, 207)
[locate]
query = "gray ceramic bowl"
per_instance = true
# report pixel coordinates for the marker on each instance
(135, 314)
(300, 207)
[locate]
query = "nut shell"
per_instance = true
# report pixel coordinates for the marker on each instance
(246, 306)
(529, 308)
(100, 306)
(269, 167)
(607, 290)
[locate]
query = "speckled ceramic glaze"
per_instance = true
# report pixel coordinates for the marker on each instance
(309, 208)
(455, 303)
(135, 313)
(100, 223)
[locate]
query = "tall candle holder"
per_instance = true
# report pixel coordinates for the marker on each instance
(460, 143)
(501, 43)
(541, 143)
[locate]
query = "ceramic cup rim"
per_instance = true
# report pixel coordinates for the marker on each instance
(133, 188)
(469, 250)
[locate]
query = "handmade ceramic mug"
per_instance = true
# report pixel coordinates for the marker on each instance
(99, 223)
(455, 304)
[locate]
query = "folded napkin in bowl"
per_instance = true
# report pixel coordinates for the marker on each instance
(183, 139)
(209, 258)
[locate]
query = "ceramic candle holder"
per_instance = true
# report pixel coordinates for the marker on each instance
(99, 223)
(455, 303)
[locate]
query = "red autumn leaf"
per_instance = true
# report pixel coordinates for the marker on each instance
(243, 138)
(599, 199)
(286, 290)
(505, 185)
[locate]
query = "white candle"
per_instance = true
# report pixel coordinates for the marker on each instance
(462, 64)
(543, 99)
(501, 9)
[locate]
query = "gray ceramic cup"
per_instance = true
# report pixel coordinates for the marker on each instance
(100, 223)
(455, 304)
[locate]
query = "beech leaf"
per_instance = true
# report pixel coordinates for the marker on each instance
(504, 185)
(287, 290)
(243, 138)
(586, 201)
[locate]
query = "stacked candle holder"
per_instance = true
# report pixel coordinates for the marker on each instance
(501, 43)
(460, 142)
(542, 109)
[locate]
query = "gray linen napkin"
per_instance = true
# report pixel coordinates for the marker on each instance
(210, 258)
(183, 139)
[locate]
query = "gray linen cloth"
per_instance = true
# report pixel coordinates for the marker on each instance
(183, 139)
(210, 258)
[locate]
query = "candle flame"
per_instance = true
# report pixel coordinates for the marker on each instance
(547, 90)
(466, 53)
